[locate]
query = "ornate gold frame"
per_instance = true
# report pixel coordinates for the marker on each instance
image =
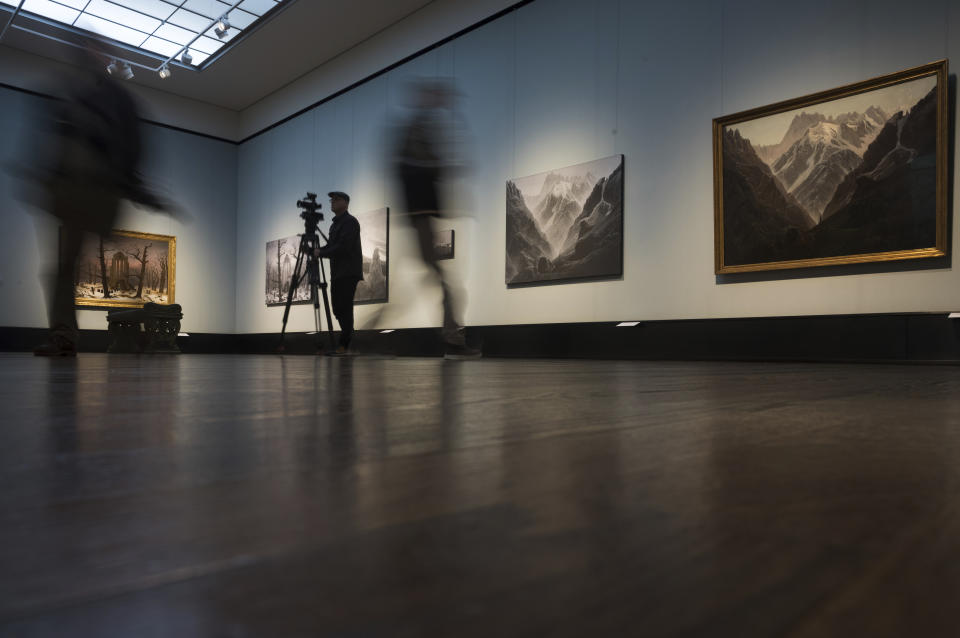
(939, 69)
(171, 273)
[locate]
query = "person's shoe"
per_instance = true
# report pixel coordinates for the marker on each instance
(339, 352)
(56, 345)
(458, 352)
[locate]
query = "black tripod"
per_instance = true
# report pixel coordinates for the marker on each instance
(318, 280)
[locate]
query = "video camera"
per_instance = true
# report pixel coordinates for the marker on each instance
(311, 214)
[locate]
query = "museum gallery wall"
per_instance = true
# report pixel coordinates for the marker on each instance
(558, 84)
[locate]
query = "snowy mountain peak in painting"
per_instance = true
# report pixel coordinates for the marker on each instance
(816, 163)
(558, 207)
(795, 131)
(565, 223)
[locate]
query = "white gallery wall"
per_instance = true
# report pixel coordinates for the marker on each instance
(554, 83)
(199, 173)
(559, 82)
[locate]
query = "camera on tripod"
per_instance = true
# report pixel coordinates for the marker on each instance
(311, 214)
(309, 266)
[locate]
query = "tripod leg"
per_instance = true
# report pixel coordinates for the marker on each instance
(326, 306)
(315, 294)
(294, 283)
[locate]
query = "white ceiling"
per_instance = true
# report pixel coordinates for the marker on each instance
(301, 37)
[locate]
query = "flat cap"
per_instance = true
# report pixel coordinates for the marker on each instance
(340, 194)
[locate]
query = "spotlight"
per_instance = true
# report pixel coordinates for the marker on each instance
(164, 72)
(126, 72)
(113, 68)
(221, 27)
(186, 58)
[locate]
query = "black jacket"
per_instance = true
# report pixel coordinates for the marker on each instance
(343, 248)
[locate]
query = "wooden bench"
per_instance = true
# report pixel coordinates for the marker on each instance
(150, 329)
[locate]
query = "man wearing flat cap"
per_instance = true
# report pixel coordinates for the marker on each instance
(346, 265)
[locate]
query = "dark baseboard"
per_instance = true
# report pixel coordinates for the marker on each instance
(895, 338)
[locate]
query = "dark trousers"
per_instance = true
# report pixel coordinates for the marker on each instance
(61, 315)
(342, 291)
(423, 225)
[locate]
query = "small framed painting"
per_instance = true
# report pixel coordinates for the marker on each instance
(443, 244)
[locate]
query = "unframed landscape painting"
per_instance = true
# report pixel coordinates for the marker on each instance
(281, 260)
(851, 179)
(374, 241)
(566, 223)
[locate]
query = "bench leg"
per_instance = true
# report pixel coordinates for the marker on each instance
(162, 335)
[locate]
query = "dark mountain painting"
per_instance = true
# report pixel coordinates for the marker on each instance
(566, 224)
(760, 218)
(837, 184)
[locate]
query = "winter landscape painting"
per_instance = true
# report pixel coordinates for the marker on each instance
(443, 244)
(374, 240)
(281, 260)
(852, 175)
(566, 223)
(125, 269)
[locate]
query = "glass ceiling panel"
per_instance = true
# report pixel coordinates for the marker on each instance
(161, 27)
(209, 8)
(175, 34)
(206, 45)
(241, 19)
(155, 8)
(259, 7)
(110, 29)
(51, 10)
(163, 47)
(76, 4)
(189, 20)
(120, 15)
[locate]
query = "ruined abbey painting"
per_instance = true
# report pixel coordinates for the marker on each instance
(374, 243)
(853, 175)
(566, 223)
(126, 270)
(281, 261)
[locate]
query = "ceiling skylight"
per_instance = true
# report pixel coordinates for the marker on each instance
(160, 27)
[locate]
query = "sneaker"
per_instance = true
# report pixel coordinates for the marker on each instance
(56, 345)
(457, 352)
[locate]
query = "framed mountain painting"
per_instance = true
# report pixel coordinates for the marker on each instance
(851, 175)
(566, 223)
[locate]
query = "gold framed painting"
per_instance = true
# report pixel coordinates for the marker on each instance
(851, 175)
(125, 269)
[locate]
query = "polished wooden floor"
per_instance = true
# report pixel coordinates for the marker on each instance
(236, 496)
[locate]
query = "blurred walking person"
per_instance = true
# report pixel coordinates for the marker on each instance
(83, 162)
(427, 154)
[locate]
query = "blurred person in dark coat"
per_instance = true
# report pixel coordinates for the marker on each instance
(83, 161)
(427, 154)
